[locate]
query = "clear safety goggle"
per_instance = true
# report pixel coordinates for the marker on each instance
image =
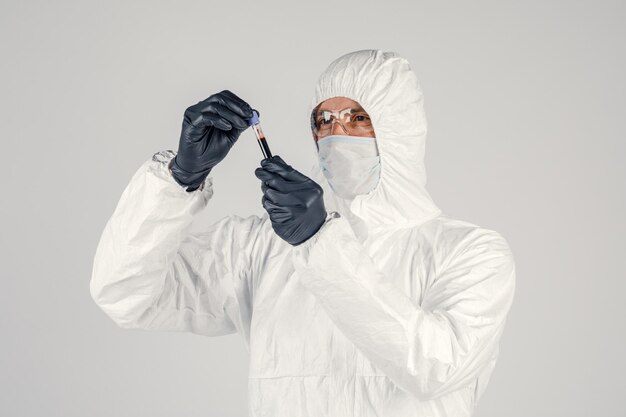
(353, 121)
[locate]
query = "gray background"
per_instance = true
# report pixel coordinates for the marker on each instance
(525, 103)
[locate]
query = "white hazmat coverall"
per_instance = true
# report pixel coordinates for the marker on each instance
(391, 309)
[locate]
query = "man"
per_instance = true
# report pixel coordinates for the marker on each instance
(355, 294)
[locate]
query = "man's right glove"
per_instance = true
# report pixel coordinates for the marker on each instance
(210, 129)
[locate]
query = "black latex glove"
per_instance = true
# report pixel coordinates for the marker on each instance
(210, 129)
(294, 202)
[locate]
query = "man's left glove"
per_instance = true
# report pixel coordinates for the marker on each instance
(294, 201)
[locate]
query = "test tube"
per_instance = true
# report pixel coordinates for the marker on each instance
(255, 123)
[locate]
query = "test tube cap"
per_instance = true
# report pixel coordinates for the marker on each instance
(254, 120)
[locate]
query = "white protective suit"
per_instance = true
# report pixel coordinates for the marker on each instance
(391, 309)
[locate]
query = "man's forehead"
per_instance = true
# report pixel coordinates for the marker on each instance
(337, 105)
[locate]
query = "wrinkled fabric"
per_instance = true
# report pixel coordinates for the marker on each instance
(392, 308)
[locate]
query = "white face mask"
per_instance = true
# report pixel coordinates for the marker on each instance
(351, 164)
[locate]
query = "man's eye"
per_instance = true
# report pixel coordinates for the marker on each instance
(323, 121)
(361, 117)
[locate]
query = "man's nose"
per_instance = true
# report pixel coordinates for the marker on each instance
(338, 129)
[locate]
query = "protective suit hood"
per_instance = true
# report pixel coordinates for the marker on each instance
(384, 84)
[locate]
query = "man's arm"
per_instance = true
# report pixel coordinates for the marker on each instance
(427, 352)
(150, 272)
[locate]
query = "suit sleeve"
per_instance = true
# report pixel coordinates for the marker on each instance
(427, 351)
(150, 272)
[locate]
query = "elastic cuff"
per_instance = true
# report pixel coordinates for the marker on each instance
(329, 217)
(192, 181)
(165, 159)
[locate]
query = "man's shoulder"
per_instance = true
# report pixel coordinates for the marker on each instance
(450, 227)
(453, 236)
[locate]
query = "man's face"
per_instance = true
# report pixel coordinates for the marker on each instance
(361, 125)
